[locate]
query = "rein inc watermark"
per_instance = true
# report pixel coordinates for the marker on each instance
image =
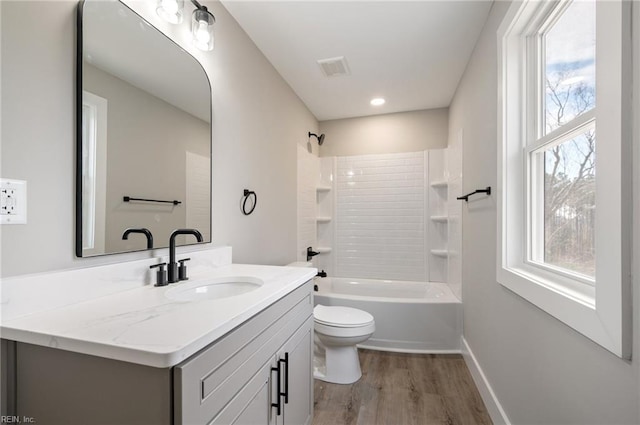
(5, 419)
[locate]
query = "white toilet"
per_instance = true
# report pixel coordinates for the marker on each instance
(337, 331)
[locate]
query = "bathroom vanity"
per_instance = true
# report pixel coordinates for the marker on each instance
(138, 356)
(259, 372)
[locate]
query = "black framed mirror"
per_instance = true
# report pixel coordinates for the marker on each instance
(143, 134)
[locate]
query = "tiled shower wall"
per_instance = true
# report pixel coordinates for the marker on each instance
(380, 223)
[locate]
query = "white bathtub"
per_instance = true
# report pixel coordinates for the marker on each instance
(411, 317)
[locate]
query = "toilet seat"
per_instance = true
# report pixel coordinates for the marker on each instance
(341, 317)
(339, 332)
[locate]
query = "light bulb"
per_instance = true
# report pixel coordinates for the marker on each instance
(170, 10)
(202, 29)
(170, 6)
(202, 32)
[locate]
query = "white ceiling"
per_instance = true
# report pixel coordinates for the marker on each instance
(411, 53)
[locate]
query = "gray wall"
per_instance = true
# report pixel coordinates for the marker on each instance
(257, 123)
(542, 371)
(412, 131)
(146, 158)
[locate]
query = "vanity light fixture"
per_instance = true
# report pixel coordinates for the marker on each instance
(201, 21)
(377, 101)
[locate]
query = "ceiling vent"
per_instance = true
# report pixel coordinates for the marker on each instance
(334, 67)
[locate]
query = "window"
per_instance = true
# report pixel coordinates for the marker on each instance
(561, 146)
(564, 183)
(94, 171)
(89, 144)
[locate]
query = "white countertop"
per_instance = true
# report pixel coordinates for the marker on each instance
(141, 325)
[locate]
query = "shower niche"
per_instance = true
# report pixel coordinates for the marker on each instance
(325, 217)
(438, 215)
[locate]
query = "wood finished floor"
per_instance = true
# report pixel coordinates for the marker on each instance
(403, 389)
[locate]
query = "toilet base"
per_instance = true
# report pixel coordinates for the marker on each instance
(337, 365)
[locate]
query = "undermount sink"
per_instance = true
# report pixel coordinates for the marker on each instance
(214, 289)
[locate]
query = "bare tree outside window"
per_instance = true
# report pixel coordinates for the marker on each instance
(569, 165)
(569, 204)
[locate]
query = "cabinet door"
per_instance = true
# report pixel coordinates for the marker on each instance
(252, 405)
(297, 377)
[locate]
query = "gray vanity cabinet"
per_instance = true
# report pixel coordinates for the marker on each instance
(231, 381)
(236, 379)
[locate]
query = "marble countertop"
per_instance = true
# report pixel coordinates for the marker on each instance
(141, 325)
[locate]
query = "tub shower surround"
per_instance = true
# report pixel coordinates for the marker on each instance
(387, 216)
(388, 228)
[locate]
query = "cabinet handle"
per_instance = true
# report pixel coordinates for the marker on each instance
(277, 405)
(286, 377)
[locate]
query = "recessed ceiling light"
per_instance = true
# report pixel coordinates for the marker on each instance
(377, 101)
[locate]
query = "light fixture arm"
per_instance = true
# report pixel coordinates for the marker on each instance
(203, 8)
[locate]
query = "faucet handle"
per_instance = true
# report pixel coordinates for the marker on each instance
(182, 269)
(161, 275)
(311, 253)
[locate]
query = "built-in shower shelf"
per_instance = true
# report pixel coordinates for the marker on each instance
(440, 253)
(439, 184)
(323, 219)
(323, 249)
(323, 188)
(440, 218)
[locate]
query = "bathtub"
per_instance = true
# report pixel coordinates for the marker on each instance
(411, 317)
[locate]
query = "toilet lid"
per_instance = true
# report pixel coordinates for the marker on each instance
(344, 317)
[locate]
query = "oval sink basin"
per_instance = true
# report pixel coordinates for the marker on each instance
(214, 289)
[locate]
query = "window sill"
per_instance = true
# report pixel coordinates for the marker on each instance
(575, 291)
(574, 305)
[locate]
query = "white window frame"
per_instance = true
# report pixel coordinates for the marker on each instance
(601, 310)
(94, 185)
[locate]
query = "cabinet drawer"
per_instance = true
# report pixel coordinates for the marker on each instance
(205, 383)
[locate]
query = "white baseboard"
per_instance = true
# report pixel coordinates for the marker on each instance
(491, 402)
(405, 350)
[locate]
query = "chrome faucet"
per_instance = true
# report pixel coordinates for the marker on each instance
(173, 275)
(142, 230)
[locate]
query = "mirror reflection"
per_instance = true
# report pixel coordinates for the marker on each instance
(144, 135)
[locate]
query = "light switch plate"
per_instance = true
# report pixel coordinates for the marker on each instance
(13, 201)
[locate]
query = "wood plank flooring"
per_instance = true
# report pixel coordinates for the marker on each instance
(403, 389)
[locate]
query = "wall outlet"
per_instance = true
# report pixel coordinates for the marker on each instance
(13, 201)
